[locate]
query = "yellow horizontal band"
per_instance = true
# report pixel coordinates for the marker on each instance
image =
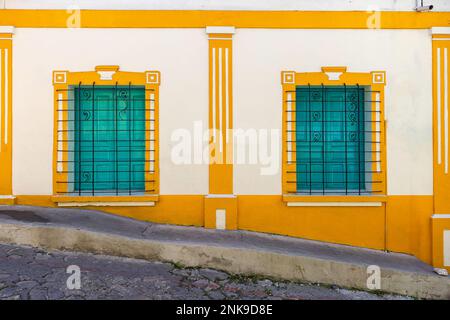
(239, 19)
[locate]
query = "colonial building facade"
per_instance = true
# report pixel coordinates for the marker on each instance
(325, 120)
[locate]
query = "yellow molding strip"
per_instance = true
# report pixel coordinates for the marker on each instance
(334, 69)
(107, 68)
(239, 19)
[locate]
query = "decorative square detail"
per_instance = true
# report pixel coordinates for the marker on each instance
(60, 77)
(288, 77)
(152, 77)
(379, 77)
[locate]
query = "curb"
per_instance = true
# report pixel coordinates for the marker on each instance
(233, 260)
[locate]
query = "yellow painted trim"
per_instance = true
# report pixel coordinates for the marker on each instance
(221, 113)
(334, 69)
(107, 68)
(408, 225)
(104, 75)
(288, 176)
(171, 209)
(240, 19)
(440, 36)
(220, 36)
(7, 200)
(328, 77)
(6, 110)
(441, 124)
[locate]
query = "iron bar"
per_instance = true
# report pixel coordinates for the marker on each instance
(324, 134)
(129, 137)
(310, 138)
(345, 137)
(359, 153)
(93, 138)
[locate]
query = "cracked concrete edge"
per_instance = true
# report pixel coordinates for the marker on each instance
(232, 260)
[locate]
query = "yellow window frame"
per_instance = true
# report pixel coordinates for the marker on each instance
(104, 76)
(331, 76)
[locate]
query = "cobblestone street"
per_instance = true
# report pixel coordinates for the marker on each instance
(29, 273)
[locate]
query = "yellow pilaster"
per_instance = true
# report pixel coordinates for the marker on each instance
(221, 209)
(441, 78)
(220, 110)
(6, 35)
(441, 146)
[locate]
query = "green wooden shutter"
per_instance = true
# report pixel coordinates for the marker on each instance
(330, 139)
(109, 147)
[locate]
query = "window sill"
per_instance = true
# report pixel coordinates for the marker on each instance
(334, 201)
(105, 201)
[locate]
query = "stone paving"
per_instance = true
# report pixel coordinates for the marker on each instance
(30, 273)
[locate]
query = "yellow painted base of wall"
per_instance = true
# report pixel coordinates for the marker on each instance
(8, 201)
(179, 209)
(409, 225)
(358, 226)
(401, 224)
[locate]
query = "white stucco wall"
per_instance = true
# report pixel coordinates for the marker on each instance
(259, 55)
(180, 54)
(405, 55)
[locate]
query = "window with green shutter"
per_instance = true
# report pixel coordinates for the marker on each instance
(331, 140)
(106, 136)
(109, 140)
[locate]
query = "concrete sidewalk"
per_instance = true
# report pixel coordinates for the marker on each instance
(237, 252)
